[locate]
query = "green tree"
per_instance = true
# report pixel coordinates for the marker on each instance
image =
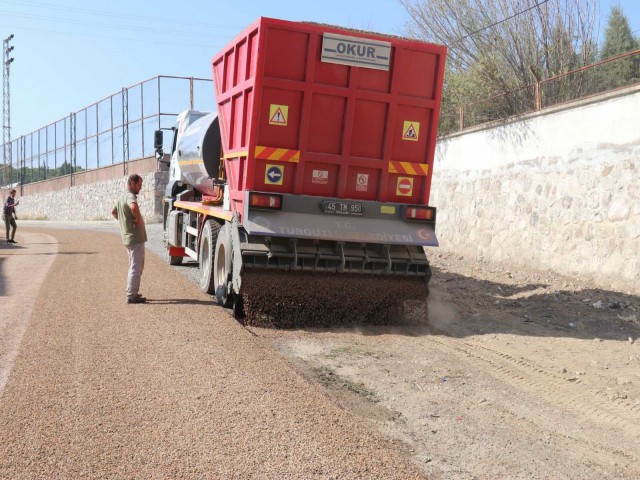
(496, 47)
(26, 174)
(618, 38)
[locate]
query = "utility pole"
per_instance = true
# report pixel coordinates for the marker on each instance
(7, 171)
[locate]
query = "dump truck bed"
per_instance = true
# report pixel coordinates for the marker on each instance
(314, 110)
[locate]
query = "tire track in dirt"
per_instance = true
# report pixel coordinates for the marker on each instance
(554, 388)
(625, 407)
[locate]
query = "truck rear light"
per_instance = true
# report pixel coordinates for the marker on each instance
(424, 214)
(265, 200)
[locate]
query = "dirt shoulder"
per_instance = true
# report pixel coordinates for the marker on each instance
(517, 374)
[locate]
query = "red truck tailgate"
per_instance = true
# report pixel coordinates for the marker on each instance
(317, 110)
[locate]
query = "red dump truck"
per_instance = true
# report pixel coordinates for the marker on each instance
(307, 193)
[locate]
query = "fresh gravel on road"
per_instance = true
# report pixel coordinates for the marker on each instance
(175, 388)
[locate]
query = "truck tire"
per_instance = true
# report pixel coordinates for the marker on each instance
(222, 268)
(206, 255)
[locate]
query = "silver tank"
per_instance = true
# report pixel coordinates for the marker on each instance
(198, 151)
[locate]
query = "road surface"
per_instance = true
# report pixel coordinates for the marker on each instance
(176, 388)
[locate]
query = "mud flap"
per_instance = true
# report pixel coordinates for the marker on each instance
(236, 258)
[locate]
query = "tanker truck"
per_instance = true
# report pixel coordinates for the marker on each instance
(304, 197)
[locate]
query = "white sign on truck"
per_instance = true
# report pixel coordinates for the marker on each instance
(359, 52)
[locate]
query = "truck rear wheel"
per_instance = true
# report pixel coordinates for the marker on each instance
(210, 233)
(222, 268)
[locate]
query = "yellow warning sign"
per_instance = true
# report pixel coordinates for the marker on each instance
(278, 115)
(273, 174)
(411, 131)
(404, 187)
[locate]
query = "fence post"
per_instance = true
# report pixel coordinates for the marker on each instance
(72, 147)
(461, 117)
(537, 96)
(23, 161)
(125, 130)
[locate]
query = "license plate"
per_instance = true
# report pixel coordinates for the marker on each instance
(342, 208)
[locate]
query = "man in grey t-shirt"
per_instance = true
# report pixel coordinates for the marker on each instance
(134, 235)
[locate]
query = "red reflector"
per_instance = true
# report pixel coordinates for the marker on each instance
(264, 200)
(176, 251)
(421, 213)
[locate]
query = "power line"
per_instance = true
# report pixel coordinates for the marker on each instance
(503, 20)
(109, 37)
(7, 59)
(103, 25)
(107, 13)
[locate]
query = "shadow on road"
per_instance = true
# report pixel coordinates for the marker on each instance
(178, 301)
(461, 306)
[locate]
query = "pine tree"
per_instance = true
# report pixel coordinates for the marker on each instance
(618, 39)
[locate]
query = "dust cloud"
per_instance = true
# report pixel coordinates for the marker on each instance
(442, 313)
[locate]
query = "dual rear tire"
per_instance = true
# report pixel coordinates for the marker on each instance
(215, 262)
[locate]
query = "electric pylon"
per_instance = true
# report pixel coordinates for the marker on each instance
(7, 164)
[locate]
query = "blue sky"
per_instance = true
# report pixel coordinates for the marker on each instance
(70, 53)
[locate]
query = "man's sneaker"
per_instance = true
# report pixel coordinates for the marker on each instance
(13, 241)
(138, 299)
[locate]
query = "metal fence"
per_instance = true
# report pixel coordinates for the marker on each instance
(120, 127)
(610, 74)
(111, 131)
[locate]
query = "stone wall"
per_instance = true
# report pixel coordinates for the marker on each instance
(94, 201)
(558, 190)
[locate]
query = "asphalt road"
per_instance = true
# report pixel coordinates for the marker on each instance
(176, 388)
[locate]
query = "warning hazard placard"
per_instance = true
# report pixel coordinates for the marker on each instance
(411, 131)
(278, 115)
(404, 188)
